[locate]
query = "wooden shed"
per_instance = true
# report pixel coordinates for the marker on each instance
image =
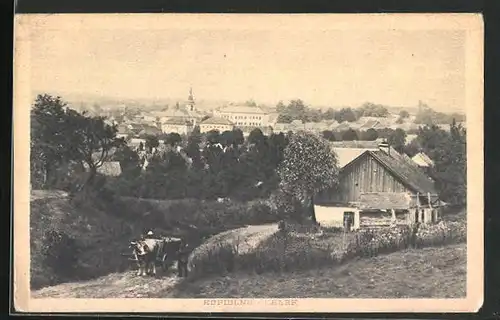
(384, 187)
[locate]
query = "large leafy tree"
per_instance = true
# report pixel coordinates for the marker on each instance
(60, 134)
(173, 139)
(451, 167)
(309, 166)
(49, 144)
(90, 141)
(397, 139)
(328, 135)
(151, 142)
(346, 114)
(349, 135)
(449, 153)
(370, 135)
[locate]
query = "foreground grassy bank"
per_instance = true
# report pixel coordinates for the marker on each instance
(435, 272)
(81, 239)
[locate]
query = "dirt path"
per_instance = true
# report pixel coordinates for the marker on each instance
(116, 285)
(129, 285)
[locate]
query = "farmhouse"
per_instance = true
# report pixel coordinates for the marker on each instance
(377, 187)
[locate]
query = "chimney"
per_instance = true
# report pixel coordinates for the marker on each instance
(384, 146)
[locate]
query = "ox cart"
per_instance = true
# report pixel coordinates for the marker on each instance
(166, 255)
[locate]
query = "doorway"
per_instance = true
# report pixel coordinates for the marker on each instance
(348, 220)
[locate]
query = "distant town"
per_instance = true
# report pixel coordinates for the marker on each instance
(137, 120)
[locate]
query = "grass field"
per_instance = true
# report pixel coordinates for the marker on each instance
(438, 272)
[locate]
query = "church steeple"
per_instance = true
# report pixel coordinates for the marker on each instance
(190, 102)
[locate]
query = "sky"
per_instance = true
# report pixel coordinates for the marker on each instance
(322, 67)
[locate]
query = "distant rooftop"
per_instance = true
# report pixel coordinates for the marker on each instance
(217, 120)
(243, 109)
(178, 121)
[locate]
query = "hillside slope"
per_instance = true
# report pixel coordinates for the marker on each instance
(70, 242)
(128, 285)
(438, 272)
(431, 272)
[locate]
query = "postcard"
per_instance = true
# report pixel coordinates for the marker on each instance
(248, 163)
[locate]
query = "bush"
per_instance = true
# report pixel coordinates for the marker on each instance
(286, 251)
(203, 214)
(60, 253)
(74, 243)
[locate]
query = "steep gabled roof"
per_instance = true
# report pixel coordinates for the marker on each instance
(408, 174)
(345, 156)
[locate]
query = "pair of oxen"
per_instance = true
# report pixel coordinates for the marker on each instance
(150, 251)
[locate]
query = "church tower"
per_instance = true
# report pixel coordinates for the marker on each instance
(190, 102)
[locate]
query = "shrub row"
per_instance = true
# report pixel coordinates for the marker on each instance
(288, 251)
(206, 216)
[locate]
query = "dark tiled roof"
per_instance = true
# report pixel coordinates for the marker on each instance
(408, 174)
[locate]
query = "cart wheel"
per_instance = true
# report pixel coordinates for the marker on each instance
(164, 262)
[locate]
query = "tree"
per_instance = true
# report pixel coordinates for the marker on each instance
(451, 167)
(251, 103)
(403, 114)
(369, 109)
(90, 140)
(49, 144)
(449, 153)
(151, 142)
(227, 138)
(412, 148)
(349, 135)
(309, 166)
(213, 136)
(256, 137)
(370, 135)
(345, 114)
(173, 139)
(193, 148)
(129, 160)
(397, 139)
(329, 114)
(238, 138)
(280, 107)
(328, 135)
(296, 110)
